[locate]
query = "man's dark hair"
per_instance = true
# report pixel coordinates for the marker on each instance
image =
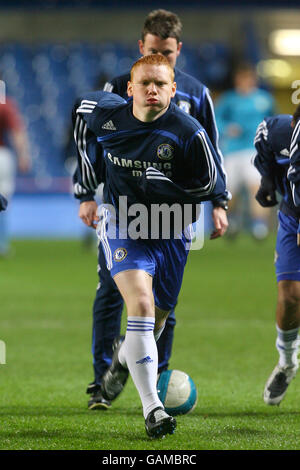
(296, 115)
(163, 24)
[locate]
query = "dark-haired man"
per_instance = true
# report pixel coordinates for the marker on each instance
(276, 160)
(161, 35)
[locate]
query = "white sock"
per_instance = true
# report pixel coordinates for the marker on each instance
(287, 344)
(139, 353)
(121, 355)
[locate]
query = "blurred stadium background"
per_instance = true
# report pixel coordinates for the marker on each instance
(51, 51)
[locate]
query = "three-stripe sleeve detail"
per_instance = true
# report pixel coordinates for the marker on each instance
(89, 179)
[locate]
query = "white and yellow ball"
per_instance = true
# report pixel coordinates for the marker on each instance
(177, 392)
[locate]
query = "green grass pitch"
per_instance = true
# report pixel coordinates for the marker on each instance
(225, 339)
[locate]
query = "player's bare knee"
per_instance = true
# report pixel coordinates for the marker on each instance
(290, 304)
(142, 306)
(289, 296)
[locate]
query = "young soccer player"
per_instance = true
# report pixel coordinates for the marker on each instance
(148, 272)
(161, 34)
(277, 161)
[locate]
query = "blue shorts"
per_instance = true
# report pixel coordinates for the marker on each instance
(164, 260)
(287, 255)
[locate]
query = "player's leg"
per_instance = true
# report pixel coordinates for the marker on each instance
(287, 341)
(288, 322)
(165, 342)
(138, 352)
(132, 267)
(166, 336)
(170, 264)
(166, 287)
(287, 311)
(288, 305)
(107, 311)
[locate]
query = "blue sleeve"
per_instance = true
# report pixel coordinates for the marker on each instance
(264, 160)
(117, 85)
(87, 174)
(294, 168)
(207, 119)
(208, 181)
(110, 87)
(90, 171)
(80, 192)
(90, 107)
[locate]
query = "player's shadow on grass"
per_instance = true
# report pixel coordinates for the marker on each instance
(41, 411)
(270, 413)
(54, 411)
(66, 437)
(91, 423)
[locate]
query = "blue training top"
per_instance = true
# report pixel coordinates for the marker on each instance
(191, 96)
(272, 143)
(175, 144)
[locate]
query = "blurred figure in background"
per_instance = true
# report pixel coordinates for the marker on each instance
(13, 143)
(238, 113)
(3, 203)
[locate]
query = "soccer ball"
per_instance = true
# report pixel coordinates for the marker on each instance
(177, 392)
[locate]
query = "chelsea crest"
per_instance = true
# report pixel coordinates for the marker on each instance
(120, 254)
(165, 152)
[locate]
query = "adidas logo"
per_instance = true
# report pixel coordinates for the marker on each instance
(109, 126)
(145, 360)
(285, 152)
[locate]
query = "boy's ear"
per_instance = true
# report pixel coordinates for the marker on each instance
(129, 88)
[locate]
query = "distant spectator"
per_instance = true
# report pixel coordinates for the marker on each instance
(238, 113)
(12, 135)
